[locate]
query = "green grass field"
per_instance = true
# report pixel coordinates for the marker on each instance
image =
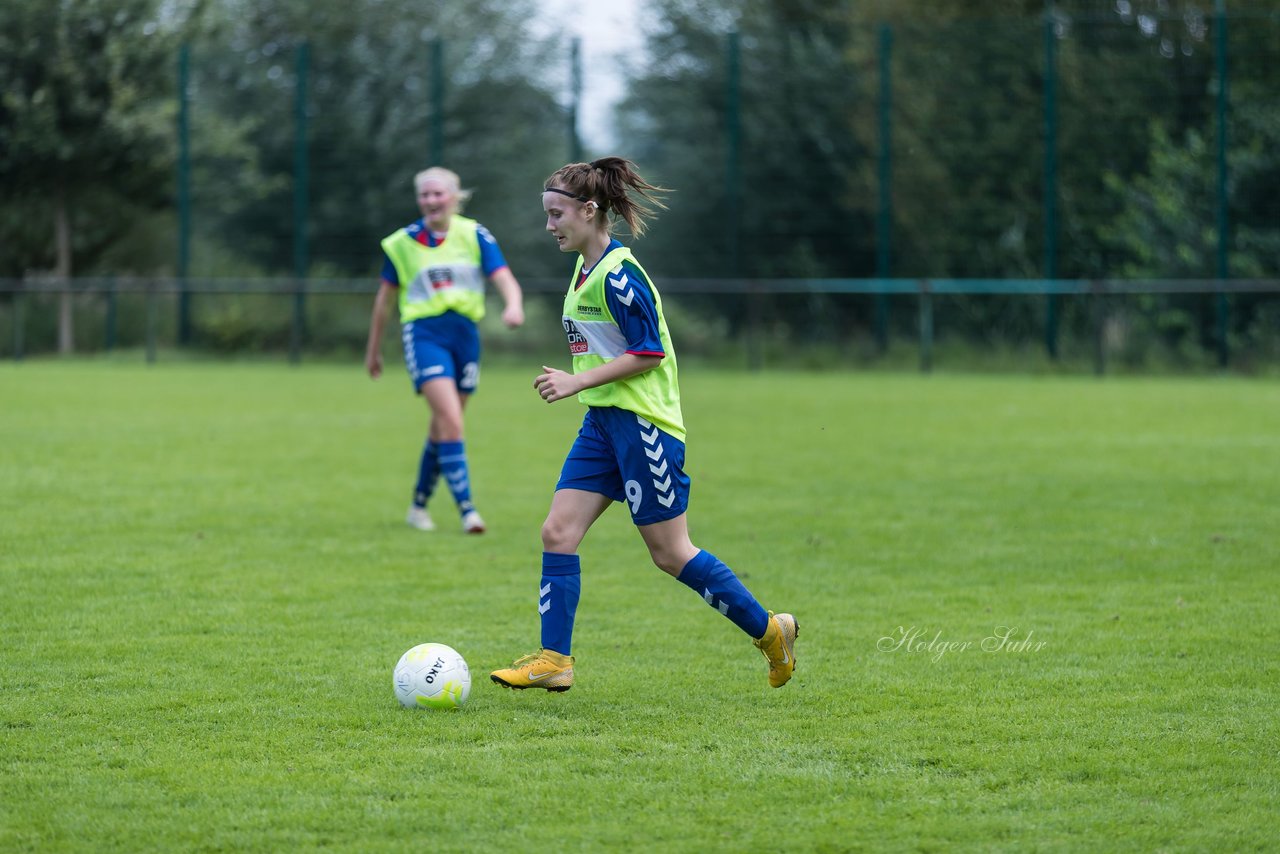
(206, 582)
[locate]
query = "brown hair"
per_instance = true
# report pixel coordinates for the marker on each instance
(614, 185)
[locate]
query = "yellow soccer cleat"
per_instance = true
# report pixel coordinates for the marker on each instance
(779, 647)
(545, 668)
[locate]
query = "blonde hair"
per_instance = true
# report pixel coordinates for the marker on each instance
(447, 177)
(614, 185)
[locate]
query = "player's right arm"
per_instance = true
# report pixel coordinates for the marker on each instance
(373, 351)
(554, 384)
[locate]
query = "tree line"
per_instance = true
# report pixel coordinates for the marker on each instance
(802, 138)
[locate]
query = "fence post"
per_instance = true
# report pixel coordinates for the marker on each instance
(1050, 177)
(733, 139)
(184, 192)
(297, 326)
(1099, 328)
(755, 330)
(926, 326)
(19, 322)
(575, 98)
(733, 199)
(437, 101)
(301, 192)
(109, 336)
(1224, 223)
(884, 219)
(152, 311)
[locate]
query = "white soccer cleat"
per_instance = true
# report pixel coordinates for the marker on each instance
(419, 518)
(472, 523)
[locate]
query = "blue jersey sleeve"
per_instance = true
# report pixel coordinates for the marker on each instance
(389, 274)
(630, 298)
(491, 259)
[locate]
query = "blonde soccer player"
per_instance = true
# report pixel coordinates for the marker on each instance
(436, 268)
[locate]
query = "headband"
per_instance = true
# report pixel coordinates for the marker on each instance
(565, 193)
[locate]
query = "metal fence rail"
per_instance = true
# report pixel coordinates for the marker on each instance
(869, 286)
(299, 291)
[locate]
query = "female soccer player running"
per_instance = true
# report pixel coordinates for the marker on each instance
(439, 265)
(631, 445)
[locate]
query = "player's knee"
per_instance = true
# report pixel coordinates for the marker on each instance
(560, 536)
(671, 555)
(668, 560)
(446, 428)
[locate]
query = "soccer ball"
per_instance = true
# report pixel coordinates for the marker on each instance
(431, 675)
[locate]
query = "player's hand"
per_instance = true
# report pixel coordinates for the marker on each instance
(513, 316)
(554, 384)
(373, 364)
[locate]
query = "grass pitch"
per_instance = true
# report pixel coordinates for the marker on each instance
(206, 581)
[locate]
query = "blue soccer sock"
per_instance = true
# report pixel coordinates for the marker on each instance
(428, 471)
(558, 599)
(707, 576)
(453, 462)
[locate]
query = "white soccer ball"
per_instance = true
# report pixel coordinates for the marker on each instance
(431, 675)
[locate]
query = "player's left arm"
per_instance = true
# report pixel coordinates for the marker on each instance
(631, 301)
(513, 298)
(495, 268)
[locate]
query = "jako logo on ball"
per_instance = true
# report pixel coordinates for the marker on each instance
(433, 676)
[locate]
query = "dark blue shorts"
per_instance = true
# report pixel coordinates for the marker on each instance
(620, 455)
(447, 345)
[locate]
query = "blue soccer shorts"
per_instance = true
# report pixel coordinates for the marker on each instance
(447, 345)
(620, 455)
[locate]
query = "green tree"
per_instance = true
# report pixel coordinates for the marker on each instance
(799, 202)
(370, 124)
(85, 130)
(969, 126)
(1166, 220)
(795, 203)
(1162, 214)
